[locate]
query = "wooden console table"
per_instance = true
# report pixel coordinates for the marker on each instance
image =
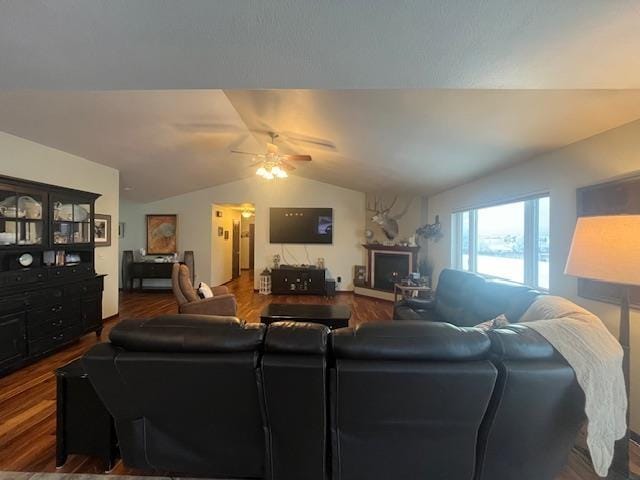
(142, 270)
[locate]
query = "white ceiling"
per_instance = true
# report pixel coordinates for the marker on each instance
(186, 44)
(171, 142)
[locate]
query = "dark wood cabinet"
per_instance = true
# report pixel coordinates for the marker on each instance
(13, 339)
(50, 294)
(298, 280)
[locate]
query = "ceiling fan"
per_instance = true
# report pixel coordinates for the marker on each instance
(273, 164)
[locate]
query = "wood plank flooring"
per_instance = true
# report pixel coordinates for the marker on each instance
(27, 397)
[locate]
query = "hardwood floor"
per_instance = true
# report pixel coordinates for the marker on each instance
(27, 397)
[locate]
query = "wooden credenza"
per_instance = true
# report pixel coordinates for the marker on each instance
(40, 317)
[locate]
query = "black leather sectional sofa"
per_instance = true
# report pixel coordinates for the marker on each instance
(216, 397)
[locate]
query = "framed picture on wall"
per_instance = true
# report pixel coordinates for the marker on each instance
(162, 234)
(220, 231)
(226, 234)
(102, 230)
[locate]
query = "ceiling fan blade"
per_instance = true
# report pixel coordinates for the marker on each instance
(287, 166)
(246, 153)
(298, 158)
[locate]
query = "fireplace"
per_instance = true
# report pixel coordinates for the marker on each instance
(388, 264)
(389, 269)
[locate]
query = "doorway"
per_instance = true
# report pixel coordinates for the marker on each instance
(232, 245)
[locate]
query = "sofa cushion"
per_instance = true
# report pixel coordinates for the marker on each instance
(494, 297)
(188, 333)
(410, 340)
(517, 342)
(454, 297)
(297, 338)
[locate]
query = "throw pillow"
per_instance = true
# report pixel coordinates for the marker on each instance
(498, 322)
(204, 290)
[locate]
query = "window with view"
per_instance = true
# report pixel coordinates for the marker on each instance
(509, 241)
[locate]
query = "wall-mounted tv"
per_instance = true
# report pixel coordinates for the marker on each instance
(301, 225)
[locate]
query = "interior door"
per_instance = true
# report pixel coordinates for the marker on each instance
(236, 251)
(252, 236)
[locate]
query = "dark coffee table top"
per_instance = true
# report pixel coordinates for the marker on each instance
(333, 316)
(301, 311)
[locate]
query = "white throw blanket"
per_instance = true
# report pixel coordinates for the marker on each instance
(596, 358)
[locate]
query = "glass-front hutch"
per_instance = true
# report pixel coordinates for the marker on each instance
(50, 293)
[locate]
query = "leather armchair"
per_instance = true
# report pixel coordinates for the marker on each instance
(222, 303)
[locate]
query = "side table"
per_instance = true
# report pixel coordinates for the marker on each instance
(84, 426)
(406, 290)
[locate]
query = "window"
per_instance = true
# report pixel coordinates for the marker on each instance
(509, 241)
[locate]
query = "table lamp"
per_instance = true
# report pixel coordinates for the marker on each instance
(607, 249)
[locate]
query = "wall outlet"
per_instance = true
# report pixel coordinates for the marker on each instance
(339, 279)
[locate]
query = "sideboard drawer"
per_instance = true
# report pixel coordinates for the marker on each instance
(23, 277)
(54, 340)
(52, 326)
(82, 288)
(51, 311)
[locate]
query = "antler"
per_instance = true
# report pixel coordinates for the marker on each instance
(406, 208)
(386, 210)
(375, 205)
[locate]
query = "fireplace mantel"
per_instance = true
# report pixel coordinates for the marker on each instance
(385, 248)
(411, 254)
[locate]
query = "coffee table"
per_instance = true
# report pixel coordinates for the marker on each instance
(333, 316)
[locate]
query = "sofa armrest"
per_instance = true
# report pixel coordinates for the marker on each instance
(219, 290)
(224, 305)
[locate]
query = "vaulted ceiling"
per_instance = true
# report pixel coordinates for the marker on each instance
(414, 96)
(170, 142)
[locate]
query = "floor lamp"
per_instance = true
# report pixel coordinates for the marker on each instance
(607, 249)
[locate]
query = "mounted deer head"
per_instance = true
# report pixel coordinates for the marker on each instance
(383, 217)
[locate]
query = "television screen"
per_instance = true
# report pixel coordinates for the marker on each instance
(301, 225)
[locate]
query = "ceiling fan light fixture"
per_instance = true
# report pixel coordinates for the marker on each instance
(261, 172)
(247, 214)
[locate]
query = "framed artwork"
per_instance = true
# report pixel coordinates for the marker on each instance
(162, 234)
(220, 231)
(226, 234)
(102, 230)
(619, 196)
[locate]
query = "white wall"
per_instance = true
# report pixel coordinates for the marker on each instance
(194, 222)
(610, 154)
(28, 160)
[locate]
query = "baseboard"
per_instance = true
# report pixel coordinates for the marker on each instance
(634, 436)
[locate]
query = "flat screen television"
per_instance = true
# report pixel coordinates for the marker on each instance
(301, 225)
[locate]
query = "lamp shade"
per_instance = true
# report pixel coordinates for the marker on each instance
(606, 248)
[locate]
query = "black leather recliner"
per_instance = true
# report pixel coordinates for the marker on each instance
(407, 400)
(183, 390)
(467, 299)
